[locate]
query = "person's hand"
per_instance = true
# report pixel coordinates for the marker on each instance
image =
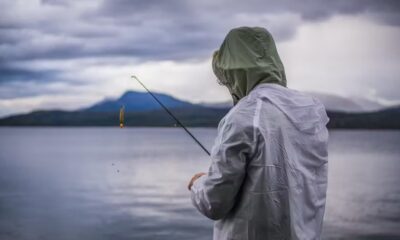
(194, 178)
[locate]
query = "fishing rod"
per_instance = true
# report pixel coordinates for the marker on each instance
(172, 115)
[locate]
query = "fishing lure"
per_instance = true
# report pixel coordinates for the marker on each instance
(121, 116)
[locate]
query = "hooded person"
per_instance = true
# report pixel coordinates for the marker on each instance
(268, 173)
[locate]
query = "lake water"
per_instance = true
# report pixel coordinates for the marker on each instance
(110, 183)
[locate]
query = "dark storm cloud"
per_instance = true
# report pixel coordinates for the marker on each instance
(17, 82)
(132, 7)
(12, 74)
(149, 29)
(55, 2)
(155, 29)
(316, 10)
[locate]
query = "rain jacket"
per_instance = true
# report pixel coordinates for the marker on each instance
(268, 174)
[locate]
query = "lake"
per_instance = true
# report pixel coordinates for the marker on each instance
(111, 183)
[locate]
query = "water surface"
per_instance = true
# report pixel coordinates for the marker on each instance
(110, 183)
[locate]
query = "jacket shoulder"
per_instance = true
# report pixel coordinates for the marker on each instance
(242, 115)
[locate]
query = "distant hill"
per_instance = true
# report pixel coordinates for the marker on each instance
(331, 102)
(383, 119)
(227, 104)
(138, 102)
(342, 104)
(142, 110)
(196, 117)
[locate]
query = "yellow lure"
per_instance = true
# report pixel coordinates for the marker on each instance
(121, 116)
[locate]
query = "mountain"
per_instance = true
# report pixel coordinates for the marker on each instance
(331, 102)
(227, 104)
(142, 110)
(206, 117)
(383, 119)
(137, 102)
(342, 104)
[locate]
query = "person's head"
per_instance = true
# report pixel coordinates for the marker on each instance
(246, 58)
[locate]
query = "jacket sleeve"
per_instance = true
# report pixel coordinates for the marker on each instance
(214, 194)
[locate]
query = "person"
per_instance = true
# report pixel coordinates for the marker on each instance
(268, 173)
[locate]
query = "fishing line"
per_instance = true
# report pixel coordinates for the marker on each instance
(173, 116)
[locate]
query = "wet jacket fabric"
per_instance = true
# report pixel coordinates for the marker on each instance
(268, 175)
(268, 172)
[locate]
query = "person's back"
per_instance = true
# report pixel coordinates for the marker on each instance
(268, 176)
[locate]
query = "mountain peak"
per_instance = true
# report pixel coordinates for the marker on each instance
(132, 93)
(135, 101)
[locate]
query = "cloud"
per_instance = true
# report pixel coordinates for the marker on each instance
(13, 74)
(54, 48)
(156, 29)
(348, 61)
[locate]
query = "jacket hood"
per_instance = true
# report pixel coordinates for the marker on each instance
(246, 58)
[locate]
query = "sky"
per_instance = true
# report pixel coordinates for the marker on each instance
(60, 54)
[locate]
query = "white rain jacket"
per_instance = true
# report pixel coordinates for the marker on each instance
(268, 176)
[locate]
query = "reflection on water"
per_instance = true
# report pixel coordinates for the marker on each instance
(110, 183)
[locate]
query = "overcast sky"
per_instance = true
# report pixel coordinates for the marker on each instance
(70, 54)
